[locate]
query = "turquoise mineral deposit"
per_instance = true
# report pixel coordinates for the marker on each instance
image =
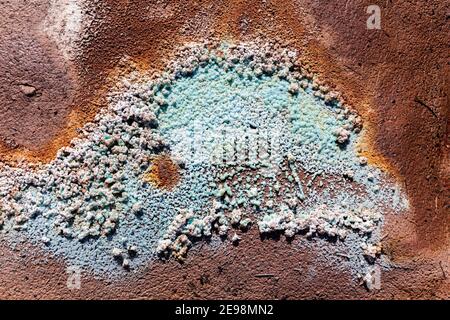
(258, 141)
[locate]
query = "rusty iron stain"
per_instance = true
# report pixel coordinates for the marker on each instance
(163, 173)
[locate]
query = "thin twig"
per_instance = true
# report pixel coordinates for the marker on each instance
(264, 275)
(352, 69)
(343, 255)
(442, 269)
(416, 99)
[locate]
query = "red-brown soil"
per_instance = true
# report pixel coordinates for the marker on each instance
(396, 78)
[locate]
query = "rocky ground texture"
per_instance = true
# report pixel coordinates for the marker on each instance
(57, 75)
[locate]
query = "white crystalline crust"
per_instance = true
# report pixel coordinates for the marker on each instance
(94, 196)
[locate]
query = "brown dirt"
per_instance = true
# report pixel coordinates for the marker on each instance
(255, 269)
(396, 78)
(163, 173)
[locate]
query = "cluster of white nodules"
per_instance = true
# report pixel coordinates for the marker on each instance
(84, 190)
(323, 220)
